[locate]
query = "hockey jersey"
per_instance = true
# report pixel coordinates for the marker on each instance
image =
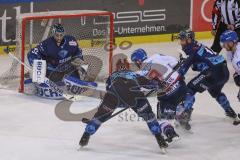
(234, 58)
(58, 58)
(162, 63)
(200, 58)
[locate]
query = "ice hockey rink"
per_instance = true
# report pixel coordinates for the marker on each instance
(30, 130)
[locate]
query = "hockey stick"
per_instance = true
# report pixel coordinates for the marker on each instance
(52, 85)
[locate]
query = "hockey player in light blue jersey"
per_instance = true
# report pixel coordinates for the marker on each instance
(121, 92)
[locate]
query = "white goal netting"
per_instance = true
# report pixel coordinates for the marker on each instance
(92, 29)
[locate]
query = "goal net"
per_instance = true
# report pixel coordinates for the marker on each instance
(92, 29)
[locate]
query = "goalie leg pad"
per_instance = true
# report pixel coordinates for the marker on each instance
(41, 90)
(76, 86)
(44, 91)
(29, 87)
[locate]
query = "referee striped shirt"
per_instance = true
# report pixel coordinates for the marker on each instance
(226, 11)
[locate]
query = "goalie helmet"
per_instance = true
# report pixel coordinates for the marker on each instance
(57, 28)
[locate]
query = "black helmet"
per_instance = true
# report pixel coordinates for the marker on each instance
(185, 34)
(57, 28)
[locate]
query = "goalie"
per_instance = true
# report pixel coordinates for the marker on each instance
(63, 62)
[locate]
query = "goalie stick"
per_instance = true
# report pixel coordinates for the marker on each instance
(97, 92)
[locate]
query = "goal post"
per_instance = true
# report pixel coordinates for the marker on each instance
(92, 29)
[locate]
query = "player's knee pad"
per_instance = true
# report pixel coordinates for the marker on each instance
(166, 111)
(107, 107)
(92, 126)
(110, 101)
(154, 127)
(189, 101)
(144, 110)
(223, 101)
(236, 78)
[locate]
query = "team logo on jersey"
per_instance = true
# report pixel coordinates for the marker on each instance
(72, 43)
(63, 53)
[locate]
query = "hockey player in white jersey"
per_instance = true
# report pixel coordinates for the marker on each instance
(229, 40)
(163, 68)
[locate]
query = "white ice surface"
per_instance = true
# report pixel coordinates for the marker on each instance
(29, 129)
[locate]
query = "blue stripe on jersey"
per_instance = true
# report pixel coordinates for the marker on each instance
(201, 51)
(216, 60)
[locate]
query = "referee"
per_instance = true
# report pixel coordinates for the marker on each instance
(225, 15)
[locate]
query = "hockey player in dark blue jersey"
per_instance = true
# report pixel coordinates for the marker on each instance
(212, 67)
(61, 53)
(63, 58)
(121, 91)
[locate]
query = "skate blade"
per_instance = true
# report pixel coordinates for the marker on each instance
(236, 121)
(182, 127)
(175, 139)
(80, 148)
(163, 151)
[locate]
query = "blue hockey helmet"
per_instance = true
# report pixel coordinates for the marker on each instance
(229, 36)
(185, 34)
(138, 55)
(57, 28)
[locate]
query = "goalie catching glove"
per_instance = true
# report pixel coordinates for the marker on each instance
(77, 62)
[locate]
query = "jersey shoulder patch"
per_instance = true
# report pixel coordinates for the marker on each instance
(72, 43)
(70, 40)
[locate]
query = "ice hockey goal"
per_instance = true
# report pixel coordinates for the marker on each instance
(92, 29)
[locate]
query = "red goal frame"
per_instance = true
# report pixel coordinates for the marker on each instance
(29, 18)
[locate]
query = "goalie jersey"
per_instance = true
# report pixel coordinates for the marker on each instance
(58, 58)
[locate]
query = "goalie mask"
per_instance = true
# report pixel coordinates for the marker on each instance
(58, 32)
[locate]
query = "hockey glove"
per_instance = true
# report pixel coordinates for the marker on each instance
(236, 78)
(77, 62)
